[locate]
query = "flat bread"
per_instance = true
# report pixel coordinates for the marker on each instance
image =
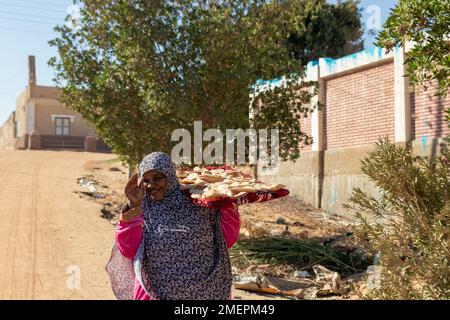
(211, 194)
(216, 183)
(187, 186)
(274, 186)
(210, 178)
(240, 194)
(243, 189)
(200, 182)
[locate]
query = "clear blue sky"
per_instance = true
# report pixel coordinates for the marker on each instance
(27, 25)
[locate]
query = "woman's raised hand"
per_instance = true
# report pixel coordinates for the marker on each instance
(134, 191)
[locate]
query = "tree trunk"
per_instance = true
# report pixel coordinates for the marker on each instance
(131, 170)
(255, 170)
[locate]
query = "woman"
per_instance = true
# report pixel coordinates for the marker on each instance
(168, 247)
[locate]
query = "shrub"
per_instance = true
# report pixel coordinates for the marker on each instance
(408, 224)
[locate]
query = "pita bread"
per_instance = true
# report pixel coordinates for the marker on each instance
(240, 194)
(192, 176)
(211, 194)
(243, 189)
(215, 183)
(187, 181)
(274, 186)
(200, 182)
(187, 186)
(181, 175)
(210, 178)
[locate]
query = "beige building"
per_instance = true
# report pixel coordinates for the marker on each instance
(40, 121)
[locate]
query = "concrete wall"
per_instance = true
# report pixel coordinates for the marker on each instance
(300, 177)
(7, 139)
(45, 92)
(341, 173)
(21, 111)
(324, 179)
(21, 120)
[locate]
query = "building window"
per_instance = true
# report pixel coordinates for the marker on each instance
(62, 126)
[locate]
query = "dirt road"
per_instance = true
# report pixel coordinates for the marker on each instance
(53, 245)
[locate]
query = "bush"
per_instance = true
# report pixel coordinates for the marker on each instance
(410, 225)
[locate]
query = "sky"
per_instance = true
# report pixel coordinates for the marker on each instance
(26, 26)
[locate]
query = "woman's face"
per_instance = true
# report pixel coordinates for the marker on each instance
(155, 184)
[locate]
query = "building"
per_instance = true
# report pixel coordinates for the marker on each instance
(365, 96)
(40, 121)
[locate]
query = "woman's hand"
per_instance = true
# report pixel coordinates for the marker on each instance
(134, 191)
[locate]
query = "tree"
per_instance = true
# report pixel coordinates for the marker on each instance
(322, 29)
(139, 69)
(426, 23)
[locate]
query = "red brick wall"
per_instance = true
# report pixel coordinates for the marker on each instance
(305, 125)
(359, 107)
(428, 113)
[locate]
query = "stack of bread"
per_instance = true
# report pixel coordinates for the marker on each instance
(215, 183)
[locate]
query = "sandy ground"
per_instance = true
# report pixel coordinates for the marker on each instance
(54, 244)
(48, 235)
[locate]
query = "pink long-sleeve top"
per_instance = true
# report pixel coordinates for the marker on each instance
(129, 236)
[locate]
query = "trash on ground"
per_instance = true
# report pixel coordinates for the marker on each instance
(281, 220)
(88, 188)
(302, 274)
(329, 280)
(267, 284)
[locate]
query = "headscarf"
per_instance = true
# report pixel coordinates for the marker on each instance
(183, 254)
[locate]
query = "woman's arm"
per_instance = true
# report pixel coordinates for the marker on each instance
(230, 222)
(129, 231)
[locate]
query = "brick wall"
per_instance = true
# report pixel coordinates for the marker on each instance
(305, 125)
(428, 113)
(359, 107)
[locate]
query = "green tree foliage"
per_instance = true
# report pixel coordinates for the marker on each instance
(427, 24)
(323, 29)
(139, 69)
(408, 224)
